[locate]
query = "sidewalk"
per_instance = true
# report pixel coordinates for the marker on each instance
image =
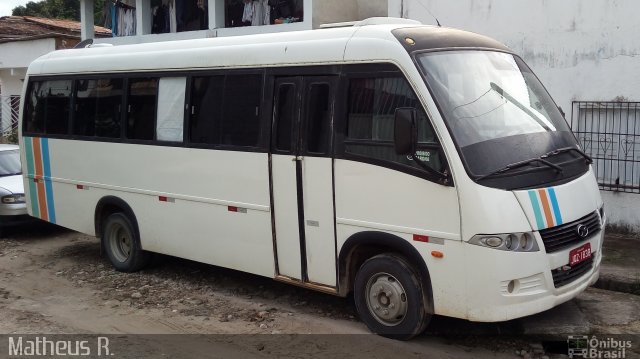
(620, 269)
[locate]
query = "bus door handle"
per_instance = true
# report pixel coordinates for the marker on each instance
(298, 158)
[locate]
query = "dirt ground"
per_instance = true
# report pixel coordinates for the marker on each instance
(55, 281)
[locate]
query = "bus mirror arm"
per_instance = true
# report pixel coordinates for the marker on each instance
(562, 112)
(405, 138)
(443, 177)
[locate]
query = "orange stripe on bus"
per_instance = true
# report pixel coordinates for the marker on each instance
(547, 208)
(42, 199)
(37, 157)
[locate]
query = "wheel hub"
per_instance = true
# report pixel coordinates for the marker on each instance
(120, 241)
(386, 299)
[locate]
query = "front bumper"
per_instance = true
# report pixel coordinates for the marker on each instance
(16, 209)
(515, 285)
(14, 214)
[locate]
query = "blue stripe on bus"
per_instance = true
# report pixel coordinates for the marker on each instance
(556, 207)
(536, 209)
(47, 180)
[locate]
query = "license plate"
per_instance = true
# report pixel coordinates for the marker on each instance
(579, 254)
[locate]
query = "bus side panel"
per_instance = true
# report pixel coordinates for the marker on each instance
(374, 198)
(204, 205)
(208, 233)
(319, 220)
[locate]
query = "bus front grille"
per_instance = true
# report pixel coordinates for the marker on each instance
(565, 235)
(563, 277)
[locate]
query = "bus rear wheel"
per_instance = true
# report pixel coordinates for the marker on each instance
(389, 297)
(122, 244)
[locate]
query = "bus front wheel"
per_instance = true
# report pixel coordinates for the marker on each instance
(122, 245)
(389, 297)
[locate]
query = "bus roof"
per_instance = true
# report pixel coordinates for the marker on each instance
(366, 41)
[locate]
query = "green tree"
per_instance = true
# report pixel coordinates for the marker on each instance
(59, 9)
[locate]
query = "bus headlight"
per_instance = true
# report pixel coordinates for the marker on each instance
(13, 198)
(515, 242)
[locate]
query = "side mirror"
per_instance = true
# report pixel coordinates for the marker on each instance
(404, 131)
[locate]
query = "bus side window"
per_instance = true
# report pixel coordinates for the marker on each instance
(205, 109)
(170, 126)
(47, 108)
(286, 116)
(240, 125)
(318, 118)
(370, 120)
(97, 109)
(141, 108)
(225, 110)
(33, 119)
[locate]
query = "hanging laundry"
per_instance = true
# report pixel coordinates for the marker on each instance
(267, 12)
(114, 20)
(173, 24)
(247, 15)
(123, 18)
(258, 13)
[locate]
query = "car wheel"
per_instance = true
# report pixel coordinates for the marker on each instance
(389, 297)
(122, 244)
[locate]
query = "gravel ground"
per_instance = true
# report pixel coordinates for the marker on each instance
(55, 281)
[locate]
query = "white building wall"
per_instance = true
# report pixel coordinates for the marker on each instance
(11, 81)
(15, 57)
(19, 54)
(581, 50)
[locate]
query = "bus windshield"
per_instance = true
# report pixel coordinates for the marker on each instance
(497, 111)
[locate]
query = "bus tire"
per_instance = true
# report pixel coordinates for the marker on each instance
(121, 242)
(389, 297)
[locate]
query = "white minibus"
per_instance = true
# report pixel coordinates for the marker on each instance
(424, 169)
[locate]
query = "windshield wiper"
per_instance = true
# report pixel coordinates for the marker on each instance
(10, 174)
(521, 164)
(568, 149)
(518, 104)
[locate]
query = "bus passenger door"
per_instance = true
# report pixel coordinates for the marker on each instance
(302, 179)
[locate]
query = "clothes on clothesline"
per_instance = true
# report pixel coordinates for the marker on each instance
(180, 15)
(170, 16)
(257, 12)
(264, 12)
(123, 19)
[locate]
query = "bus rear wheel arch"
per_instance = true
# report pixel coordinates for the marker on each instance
(389, 297)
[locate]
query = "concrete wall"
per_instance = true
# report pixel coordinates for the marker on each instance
(15, 57)
(581, 50)
(622, 210)
(11, 81)
(333, 11)
(372, 8)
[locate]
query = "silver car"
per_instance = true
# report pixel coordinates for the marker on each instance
(13, 209)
